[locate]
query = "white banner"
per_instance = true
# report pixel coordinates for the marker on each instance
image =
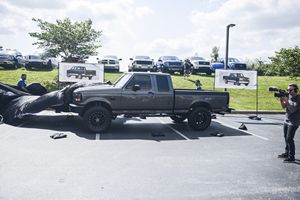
(76, 72)
(238, 79)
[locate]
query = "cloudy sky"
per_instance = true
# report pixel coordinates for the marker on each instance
(163, 27)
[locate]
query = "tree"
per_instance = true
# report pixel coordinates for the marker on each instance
(72, 41)
(286, 62)
(214, 54)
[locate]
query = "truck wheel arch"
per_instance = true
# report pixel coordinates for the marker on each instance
(200, 104)
(95, 104)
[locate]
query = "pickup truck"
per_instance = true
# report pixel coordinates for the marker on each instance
(146, 94)
(233, 63)
(80, 72)
(236, 79)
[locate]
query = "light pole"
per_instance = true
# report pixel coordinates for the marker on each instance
(227, 41)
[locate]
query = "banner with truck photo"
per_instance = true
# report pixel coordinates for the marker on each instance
(237, 79)
(77, 72)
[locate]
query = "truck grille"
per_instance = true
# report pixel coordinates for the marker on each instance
(143, 62)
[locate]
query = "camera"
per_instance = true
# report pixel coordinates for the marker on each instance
(278, 92)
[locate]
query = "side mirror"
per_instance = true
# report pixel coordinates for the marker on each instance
(136, 87)
(130, 58)
(159, 60)
(120, 59)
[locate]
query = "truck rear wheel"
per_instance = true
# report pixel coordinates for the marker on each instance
(178, 118)
(199, 118)
(97, 119)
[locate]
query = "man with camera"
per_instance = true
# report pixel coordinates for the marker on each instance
(291, 103)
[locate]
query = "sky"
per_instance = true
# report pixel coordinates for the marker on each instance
(162, 27)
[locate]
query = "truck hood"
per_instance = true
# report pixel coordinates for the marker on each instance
(96, 89)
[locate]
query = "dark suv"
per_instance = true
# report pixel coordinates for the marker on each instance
(169, 64)
(11, 59)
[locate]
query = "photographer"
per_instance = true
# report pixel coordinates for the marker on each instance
(291, 121)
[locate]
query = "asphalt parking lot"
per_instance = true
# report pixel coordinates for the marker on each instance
(149, 158)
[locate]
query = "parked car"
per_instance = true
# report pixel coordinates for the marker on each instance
(111, 63)
(36, 62)
(81, 72)
(233, 63)
(200, 65)
(141, 63)
(146, 94)
(170, 64)
(11, 59)
(236, 79)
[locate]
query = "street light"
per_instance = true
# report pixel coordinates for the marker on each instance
(227, 41)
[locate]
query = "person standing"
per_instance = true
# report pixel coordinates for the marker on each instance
(291, 122)
(22, 83)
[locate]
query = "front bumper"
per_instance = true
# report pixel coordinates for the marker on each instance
(75, 108)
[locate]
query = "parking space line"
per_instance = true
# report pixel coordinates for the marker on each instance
(173, 129)
(261, 137)
(97, 136)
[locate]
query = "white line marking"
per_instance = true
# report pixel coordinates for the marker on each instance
(261, 137)
(97, 136)
(173, 129)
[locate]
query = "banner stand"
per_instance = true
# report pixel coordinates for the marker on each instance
(256, 117)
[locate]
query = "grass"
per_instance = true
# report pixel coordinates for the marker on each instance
(240, 99)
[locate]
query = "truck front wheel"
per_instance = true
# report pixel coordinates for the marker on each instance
(199, 118)
(178, 118)
(97, 119)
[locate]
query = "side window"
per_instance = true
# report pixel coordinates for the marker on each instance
(143, 80)
(162, 83)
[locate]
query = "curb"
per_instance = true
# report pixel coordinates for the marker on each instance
(258, 112)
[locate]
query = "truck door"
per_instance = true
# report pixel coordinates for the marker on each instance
(164, 93)
(141, 99)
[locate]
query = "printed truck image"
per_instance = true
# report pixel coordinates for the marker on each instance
(146, 94)
(80, 72)
(236, 79)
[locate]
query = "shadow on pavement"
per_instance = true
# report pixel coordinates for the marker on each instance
(129, 128)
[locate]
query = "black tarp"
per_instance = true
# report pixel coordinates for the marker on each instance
(15, 104)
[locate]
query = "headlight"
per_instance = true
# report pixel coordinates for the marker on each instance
(77, 97)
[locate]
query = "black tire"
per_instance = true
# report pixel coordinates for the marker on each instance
(178, 118)
(97, 119)
(199, 118)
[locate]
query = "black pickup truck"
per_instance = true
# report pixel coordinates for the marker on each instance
(80, 72)
(236, 79)
(145, 94)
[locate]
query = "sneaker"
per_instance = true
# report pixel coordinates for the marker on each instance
(290, 159)
(283, 155)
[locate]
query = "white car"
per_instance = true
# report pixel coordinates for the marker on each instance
(141, 63)
(200, 65)
(111, 63)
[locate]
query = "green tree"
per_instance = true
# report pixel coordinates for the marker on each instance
(214, 54)
(72, 41)
(286, 62)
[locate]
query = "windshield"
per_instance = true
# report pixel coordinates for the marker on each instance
(233, 60)
(197, 58)
(34, 57)
(142, 57)
(122, 80)
(113, 57)
(240, 75)
(169, 58)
